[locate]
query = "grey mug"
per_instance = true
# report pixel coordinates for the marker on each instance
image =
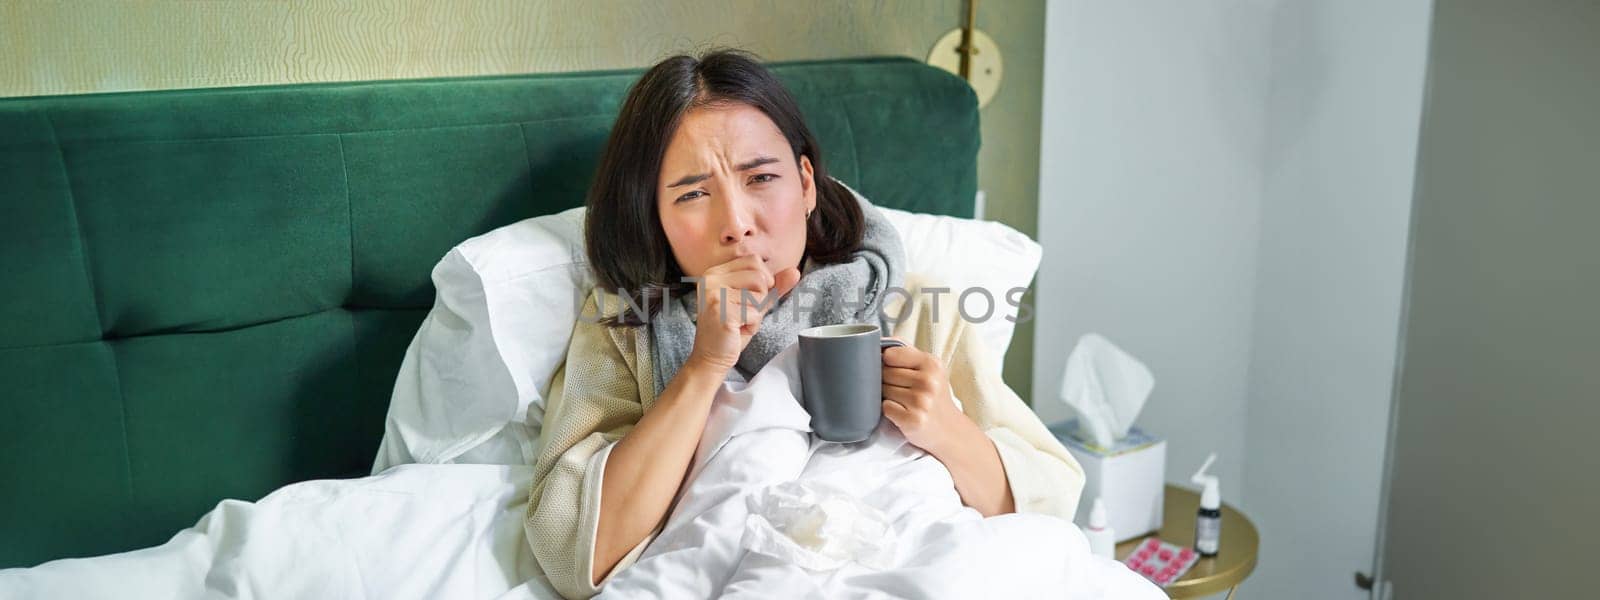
(841, 379)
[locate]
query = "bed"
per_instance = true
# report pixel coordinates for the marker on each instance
(209, 292)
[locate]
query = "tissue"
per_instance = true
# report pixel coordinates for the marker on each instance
(817, 527)
(1107, 387)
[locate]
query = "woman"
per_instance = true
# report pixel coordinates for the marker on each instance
(712, 184)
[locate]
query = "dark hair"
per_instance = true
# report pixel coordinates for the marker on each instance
(628, 251)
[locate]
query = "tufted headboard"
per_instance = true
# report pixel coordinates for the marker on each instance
(208, 292)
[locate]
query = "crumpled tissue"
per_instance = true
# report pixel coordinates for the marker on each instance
(817, 527)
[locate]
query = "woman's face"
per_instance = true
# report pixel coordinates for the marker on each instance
(730, 186)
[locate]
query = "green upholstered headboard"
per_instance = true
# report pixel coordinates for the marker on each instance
(208, 292)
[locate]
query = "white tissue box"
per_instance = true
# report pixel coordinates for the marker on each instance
(1129, 477)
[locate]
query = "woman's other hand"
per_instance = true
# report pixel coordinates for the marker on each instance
(916, 398)
(727, 319)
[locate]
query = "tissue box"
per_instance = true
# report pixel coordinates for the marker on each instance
(1129, 477)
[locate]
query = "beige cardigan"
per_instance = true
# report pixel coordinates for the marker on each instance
(607, 383)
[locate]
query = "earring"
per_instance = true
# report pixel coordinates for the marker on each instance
(808, 213)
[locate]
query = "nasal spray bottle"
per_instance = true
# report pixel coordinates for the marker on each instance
(1208, 521)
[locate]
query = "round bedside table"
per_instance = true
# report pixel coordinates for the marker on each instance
(1236, 553)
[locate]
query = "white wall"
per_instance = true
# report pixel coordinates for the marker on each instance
(1343, 116)
(1149, 192)
(1225, 190)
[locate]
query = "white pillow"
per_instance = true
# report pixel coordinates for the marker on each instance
(472, 386)
(966, 254)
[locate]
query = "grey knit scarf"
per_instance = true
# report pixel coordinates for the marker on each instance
(848, 292)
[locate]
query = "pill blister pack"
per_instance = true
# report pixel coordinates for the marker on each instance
(1161, 562)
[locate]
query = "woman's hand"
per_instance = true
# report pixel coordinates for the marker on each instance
(916, 398)
(726, 321)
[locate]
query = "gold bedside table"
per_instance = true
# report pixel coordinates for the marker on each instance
(1236, 552)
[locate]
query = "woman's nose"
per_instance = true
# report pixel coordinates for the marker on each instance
(737, 222)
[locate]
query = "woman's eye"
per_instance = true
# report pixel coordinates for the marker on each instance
(690, 196)
(762, 178)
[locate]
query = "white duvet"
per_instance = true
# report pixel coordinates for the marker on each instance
(414, 531)
(736, 531)
(766, 513)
